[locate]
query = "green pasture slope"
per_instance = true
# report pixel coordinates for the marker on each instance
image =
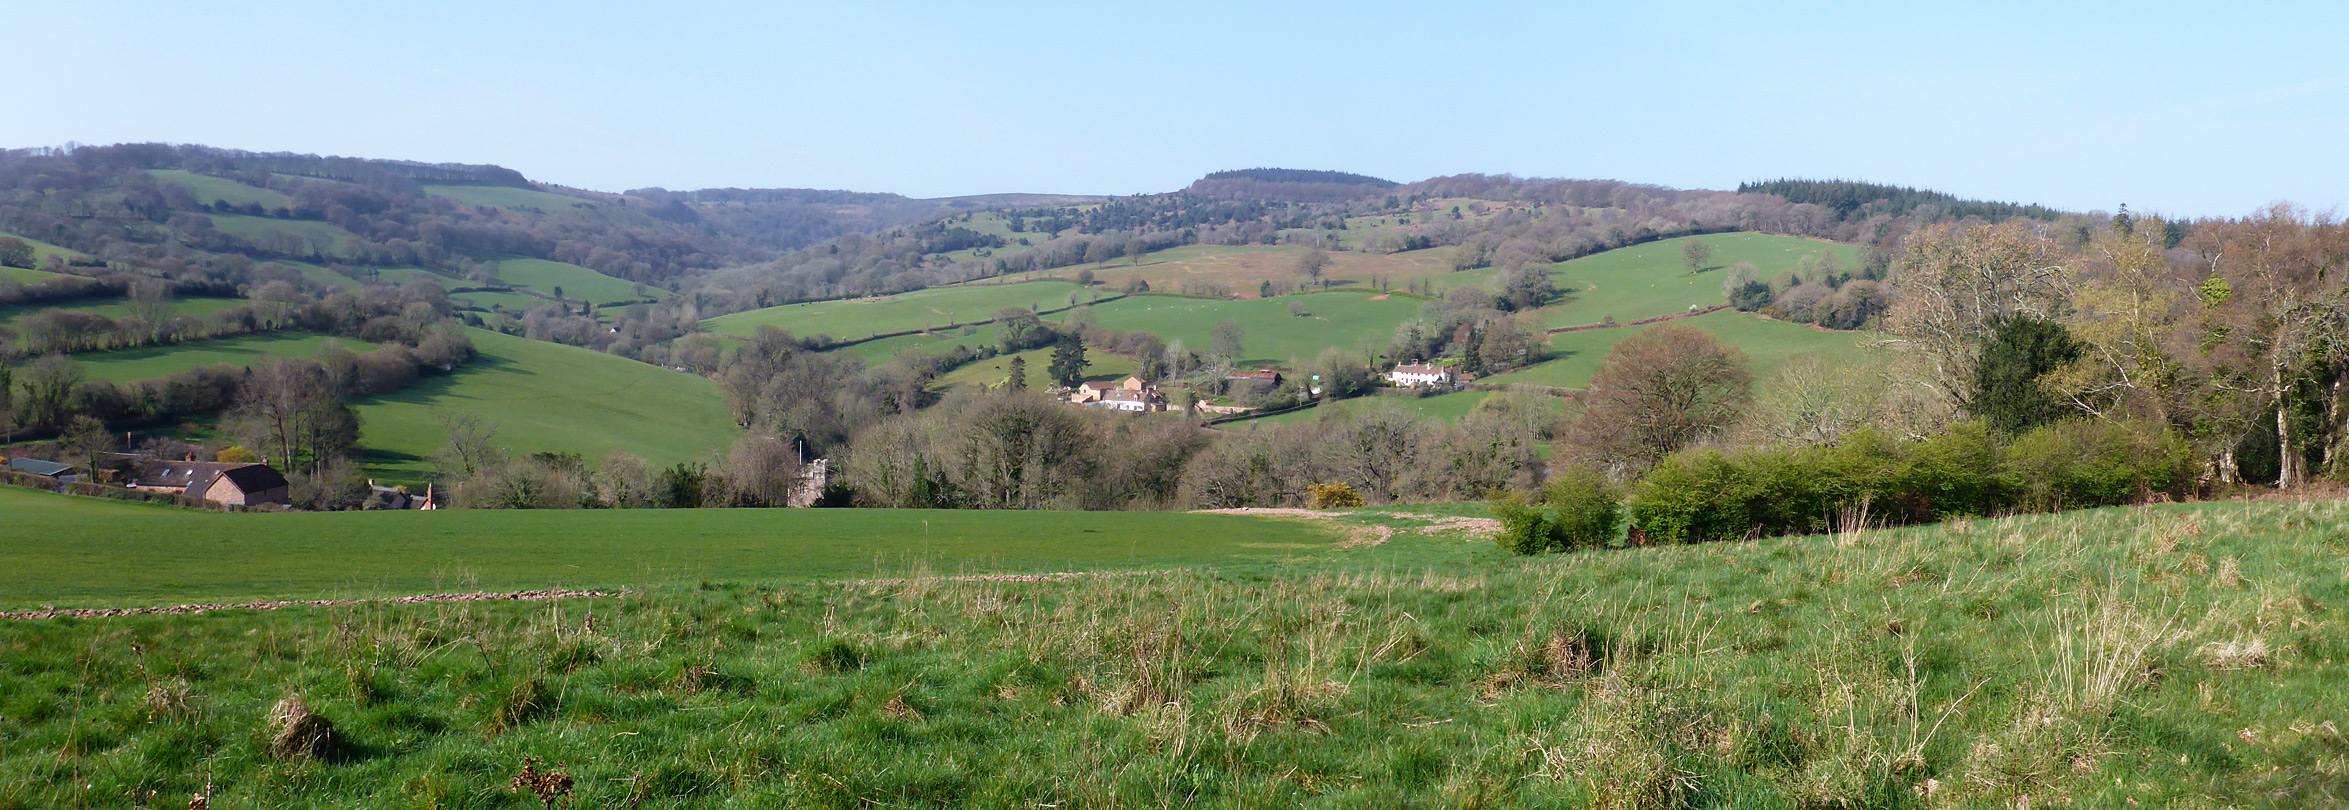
(1575, 356)
(1644, 281)
(141, 554)
(518, 199)
(326, 236)
(511, 303)
(995, 371)
(208, 188)
(22, 275)
(149, 362)
(864, 317)
(546, 397)
(1448, 407)
(578, 283)
(43, 250)
(118, 308)
(2177, 656)
(1271, 334)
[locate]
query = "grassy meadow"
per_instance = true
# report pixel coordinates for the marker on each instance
(2177, 656)
(142, 554)
(326, 237)
(22, 275)
(546, 397)
(864, 317)
(208, 189)
(1575, 356)
(578, 283)
(42, 251)
(1272, 334)
(119, 308)
(149, 362)
(1644, 281)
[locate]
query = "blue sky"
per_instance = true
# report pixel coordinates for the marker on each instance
(2211, 111)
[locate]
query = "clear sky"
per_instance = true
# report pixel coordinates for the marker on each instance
(2214, 110)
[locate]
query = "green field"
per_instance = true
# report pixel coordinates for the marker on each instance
(1272, 335)
(151, 362)
(1647, 280)
(1575, 356)
(43, 250)
(208, 188)
(512, 303)
(327, 238)
(877, 352)
(518, 199)
(1446, 407)
(141, 554)
(864, 317)
(25, 276)
(547, 397)
(995, 371)
(2177, 656)
(117, 308)
(402, 275)
(578, 283)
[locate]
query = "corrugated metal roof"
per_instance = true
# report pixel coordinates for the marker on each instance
(36, 466)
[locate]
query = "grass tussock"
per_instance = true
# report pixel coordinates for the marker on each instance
(2090, 659)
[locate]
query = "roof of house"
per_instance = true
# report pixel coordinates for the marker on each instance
(1097, 386)
(1414, 368)
(178, 474)
(39, 467)
(198, 476)
(254, 477)
(1126, 395)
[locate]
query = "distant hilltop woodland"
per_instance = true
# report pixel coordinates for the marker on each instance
(373, 325)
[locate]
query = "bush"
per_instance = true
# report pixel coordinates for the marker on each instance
(1334, 496)
(2082, 464)
(1586, 509)
(1579, 509)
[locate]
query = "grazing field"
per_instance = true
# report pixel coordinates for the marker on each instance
(865, 317)
(1647, 280)
(142, 554)
(295, 235)
(1272, 335)
(1242, 269)
(518, 199)
(1448, 407)
(995, 371)
(2180, 656)
(876, 352)
(512, 303)
(401, 275)
(546, 397)
(208, 188)
(25, 276)
(578, 283)
(118, 308)
(1575, 356)
(150, 362)
(43, 250)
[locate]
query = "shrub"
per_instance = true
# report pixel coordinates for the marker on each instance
(1692, 497)
(2081, 464)
(1579, 509)
(1586, 508)
(1334, 496)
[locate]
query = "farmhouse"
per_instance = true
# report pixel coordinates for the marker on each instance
(222, 482)
(1411, 375)
(1130, 394)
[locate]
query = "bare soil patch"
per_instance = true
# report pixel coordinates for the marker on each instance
(102, 613)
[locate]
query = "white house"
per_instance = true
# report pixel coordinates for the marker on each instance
(1411, 375)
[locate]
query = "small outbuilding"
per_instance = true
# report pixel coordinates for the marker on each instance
(45, 469)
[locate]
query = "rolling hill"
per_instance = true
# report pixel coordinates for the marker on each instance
(548, 398)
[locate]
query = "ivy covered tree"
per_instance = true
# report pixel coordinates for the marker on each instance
(1068, 361)
(2007, 386)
